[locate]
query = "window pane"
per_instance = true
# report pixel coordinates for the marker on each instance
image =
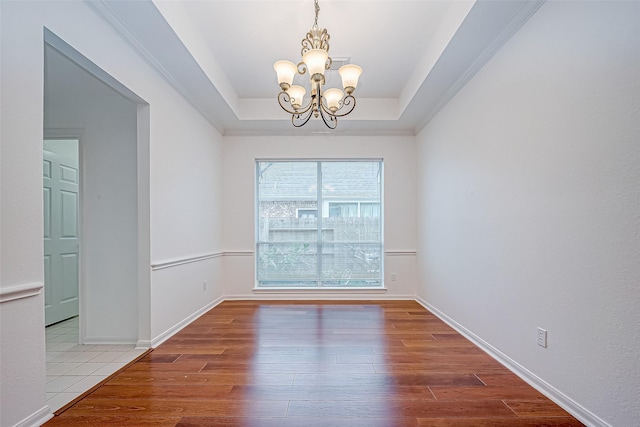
(286, 251)
(369, 209)
(343, 209)
(307, 213)
(292, 224)
(358, 182)
(351, 181)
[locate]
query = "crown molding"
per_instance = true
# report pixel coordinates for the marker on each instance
(116, 20)
(520, 14)
(469, 40)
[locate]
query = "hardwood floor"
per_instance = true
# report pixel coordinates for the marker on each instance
(370, 364)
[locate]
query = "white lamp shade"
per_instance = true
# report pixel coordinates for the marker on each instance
(297, 94)
(315, 59)
(350, 74)
(285, 70)
(333, 97)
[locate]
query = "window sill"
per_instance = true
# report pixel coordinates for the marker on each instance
(288, 290)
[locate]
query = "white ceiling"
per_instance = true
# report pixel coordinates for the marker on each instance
(416, 54)
(382, 36)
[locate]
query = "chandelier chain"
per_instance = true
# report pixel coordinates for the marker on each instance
(317, 10)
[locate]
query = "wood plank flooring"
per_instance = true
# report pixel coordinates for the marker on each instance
(370, 364)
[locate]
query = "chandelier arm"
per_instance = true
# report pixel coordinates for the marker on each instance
(333, 120)
(284, 97)
(349, 102)
(301, 118)
(302, 67)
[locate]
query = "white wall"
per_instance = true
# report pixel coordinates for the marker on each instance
(182, 189)
(529, 211)
(22, 377)
(186, 214)
(398, 153)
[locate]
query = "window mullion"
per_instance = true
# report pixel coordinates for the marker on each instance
(319, 223)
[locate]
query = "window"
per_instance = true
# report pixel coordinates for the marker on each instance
(311, 238)
(354, 209)
(307, 213)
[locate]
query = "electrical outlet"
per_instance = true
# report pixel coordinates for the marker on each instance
(394, 277)
(204, 286)
(542, 337)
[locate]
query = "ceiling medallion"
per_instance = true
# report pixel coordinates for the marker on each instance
(328, 104)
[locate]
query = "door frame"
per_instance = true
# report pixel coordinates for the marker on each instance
(143, 186)
(77, 134)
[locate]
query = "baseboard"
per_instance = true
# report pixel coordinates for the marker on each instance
(565, 402)
(182, 324)
(37, 418)
(143, 344)
(107, 341)
(321, 295)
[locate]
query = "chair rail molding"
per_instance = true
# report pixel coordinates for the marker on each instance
(159, 265)
(20, 291)
(394, 252)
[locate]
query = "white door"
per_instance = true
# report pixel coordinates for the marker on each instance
(61, 250)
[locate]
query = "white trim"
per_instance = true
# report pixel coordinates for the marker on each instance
(401, 253)
(319, 290)
(564, 401)
(143, 344)
(52, 39)
(159, 265)
(98, 340)
(527, 10)
(184, 323)
(38, 418)
(300, 295)
(114, 19)
(21, 291)
(292, 132)
(319, 159)
(63, 133)
(238, 253)
(102, 9)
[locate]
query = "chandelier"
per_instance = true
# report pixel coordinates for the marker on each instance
(328, 104)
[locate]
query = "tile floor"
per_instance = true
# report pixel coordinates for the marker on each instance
(73, 369)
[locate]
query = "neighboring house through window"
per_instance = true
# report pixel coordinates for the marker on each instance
(327, 238)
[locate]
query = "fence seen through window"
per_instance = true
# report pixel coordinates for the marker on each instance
(319, 223)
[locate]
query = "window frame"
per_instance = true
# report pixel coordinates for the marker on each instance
(321, 206)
